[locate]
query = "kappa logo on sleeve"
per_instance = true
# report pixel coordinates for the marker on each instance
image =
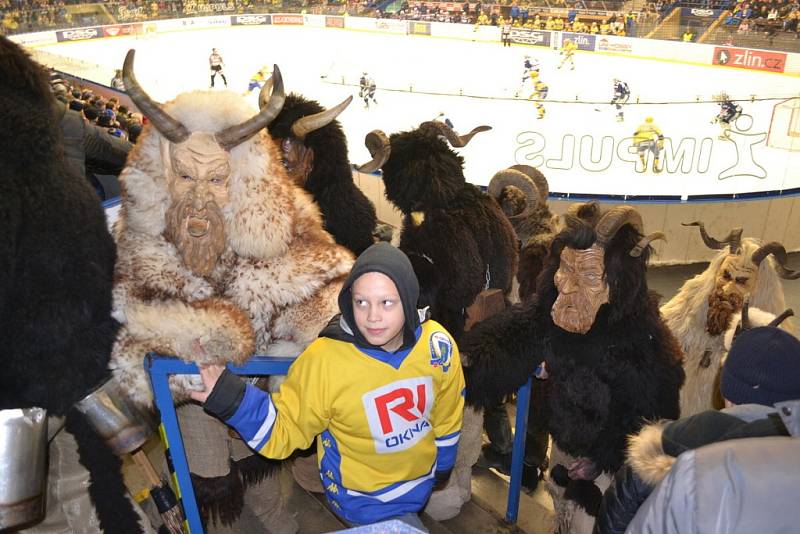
(441, 350)
(399, 413)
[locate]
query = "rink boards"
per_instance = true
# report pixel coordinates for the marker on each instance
(580, 147)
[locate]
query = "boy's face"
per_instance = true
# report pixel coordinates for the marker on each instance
(378, 310)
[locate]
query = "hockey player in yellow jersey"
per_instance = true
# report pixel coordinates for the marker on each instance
(648, 138)
(381, 389)
(257, 80)
(568, 48)
(539, 94)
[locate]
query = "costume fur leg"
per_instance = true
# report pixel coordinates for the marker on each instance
(570, 518)
(224, 471)
(446, 503)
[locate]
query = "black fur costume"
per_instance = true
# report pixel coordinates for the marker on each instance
(56, 265)
(522, 191)
(455, 236)
(347, 213)
(602, 385)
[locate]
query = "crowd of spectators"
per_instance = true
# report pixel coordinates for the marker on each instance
(108, 114)
(519, 16)
(765, 16)
(20, 15)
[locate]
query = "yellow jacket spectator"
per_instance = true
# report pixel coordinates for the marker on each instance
(688, 36)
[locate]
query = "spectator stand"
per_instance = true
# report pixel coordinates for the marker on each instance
(159, 368)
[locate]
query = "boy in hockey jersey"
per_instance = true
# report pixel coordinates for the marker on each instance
(381, 388)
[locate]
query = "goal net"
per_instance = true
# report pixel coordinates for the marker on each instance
(784, 128)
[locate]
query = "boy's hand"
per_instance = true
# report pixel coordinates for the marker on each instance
(209, 375)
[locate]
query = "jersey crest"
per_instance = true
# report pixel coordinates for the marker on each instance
(441, 350)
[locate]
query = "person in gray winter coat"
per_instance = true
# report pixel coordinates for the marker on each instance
(760, 373)
(739, 487)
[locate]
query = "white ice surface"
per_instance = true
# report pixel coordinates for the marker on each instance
(317, 61)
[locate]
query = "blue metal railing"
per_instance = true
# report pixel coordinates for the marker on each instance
(160, 367)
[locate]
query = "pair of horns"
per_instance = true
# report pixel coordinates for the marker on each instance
(527, 179)
(380, 148)
(228, 138)
(617, 217)
(734, 238)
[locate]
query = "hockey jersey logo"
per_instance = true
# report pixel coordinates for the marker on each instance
(398, 413)
(441, 350)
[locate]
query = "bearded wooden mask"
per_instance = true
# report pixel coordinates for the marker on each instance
(198, 172)
(197, 167)
(582, 288)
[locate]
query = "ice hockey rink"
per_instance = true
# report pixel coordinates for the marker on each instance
(579, 145)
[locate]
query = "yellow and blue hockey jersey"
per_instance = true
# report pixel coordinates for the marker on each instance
(385, 422)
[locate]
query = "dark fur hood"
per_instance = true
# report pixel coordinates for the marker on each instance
(329, 142)
(422, 172)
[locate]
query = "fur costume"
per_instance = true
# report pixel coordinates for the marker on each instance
(271, 291)
(521, 191)
(686, 315)
(458, 241)
(347, 213)
(604, 383)
(56, 330)
(457, 238)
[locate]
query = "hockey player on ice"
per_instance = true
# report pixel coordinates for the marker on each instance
(568, 48)
(530, 65)
(216, 63)
(539, 94)
(729, 111)
(257, 80)
(648, 138)
(621, 95)
(367, 89)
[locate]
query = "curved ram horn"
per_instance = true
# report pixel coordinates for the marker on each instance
(782, 317)
(644, 242)
(169, 127)
(512, 178)
(779, 253)
(238, 133)
(305, 125)
(379, 148)
(266, 91)
(538, 178)
(734, 238)
(452, 137)
(614, 219)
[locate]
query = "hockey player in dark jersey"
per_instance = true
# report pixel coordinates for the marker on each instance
(729, 111)
(621, 95)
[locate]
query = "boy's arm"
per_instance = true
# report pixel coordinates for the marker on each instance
(273, 425)
(447, 416)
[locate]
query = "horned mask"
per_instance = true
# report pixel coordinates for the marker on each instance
(737, 276)
(580, 278)
(197, 167)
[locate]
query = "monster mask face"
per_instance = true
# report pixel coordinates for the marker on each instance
(197, 166)
(581, 289)
(735, 279)
(197, 178)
